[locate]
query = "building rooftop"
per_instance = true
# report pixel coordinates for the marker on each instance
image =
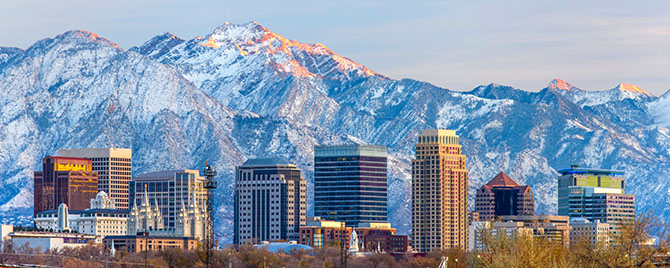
(69, 158)
(325, 223)
(17, 234)
(579, 170)
(349, 150)
(502, 180)
(282, 246)
(375, 225)
(96, 152)
(438, 132)
(145, 237)
(536, 218)
(166, 174)
(97, 210)
(264, 162)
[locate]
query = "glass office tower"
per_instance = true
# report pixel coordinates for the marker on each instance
(350, 183)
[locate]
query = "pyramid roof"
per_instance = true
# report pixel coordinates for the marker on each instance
(502, 180)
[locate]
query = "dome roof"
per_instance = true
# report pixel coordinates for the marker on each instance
(283, 246)
(101, 194)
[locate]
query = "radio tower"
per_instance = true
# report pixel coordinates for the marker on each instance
(210, 185)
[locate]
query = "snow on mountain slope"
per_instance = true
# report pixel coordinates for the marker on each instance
(79, 90)
(592, 98)
(243, 91)
(660, 110)
(8, 52)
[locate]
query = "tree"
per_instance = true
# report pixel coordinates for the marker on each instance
(631, 245)
(520, 251)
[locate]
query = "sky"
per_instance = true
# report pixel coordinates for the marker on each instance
(458, 45)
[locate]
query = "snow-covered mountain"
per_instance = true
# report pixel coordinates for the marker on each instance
(243, 91)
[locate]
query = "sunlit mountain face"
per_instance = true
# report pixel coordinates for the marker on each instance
(243, 92)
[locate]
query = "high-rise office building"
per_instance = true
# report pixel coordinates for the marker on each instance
(269, 201)
(439, 192)
(114, 167)
(350, 183)
(64, 180)
(596, 195)
(503, 197)
(178, 196)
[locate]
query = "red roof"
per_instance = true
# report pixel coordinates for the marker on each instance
(502, 180)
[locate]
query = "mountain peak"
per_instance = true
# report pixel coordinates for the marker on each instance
(632, 88)
(83, 34)
(158, 46)
(559, 84)
(251, 38)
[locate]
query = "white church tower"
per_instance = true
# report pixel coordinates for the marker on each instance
(144, 218)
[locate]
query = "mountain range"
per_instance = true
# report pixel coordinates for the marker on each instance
(243, 91)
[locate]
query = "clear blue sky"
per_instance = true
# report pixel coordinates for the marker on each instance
(454, 44)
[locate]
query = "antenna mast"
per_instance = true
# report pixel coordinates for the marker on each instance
(210, 185)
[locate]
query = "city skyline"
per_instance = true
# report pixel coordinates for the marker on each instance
(618, 43)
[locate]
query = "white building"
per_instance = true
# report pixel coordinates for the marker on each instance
(100, 220)
(51, 240)
(594, 232)
(190, 221)
(5, 230)
(114, 167)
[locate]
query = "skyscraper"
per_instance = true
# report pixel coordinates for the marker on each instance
(66, 180)
(114, 167)
(269, 201)
(595, 194)
(439, 192)
(503, 197)
(350, 183)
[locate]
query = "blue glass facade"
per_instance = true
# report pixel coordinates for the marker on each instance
(350, 183)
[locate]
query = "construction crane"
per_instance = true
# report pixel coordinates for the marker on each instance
(210, 185)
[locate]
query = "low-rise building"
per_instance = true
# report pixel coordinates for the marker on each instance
(553, 228)
(380, 236)
(101, 219)
(318, 233)
(144, 241)
(51, 240)
(475, 235)
(593, 232)
(384, 241)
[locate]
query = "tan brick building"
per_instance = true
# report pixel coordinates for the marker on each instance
(439, 192)
(142, 242)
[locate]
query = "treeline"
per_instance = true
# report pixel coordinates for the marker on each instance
(630, 247)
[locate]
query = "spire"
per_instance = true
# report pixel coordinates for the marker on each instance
(146, 196)
(353, 242)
